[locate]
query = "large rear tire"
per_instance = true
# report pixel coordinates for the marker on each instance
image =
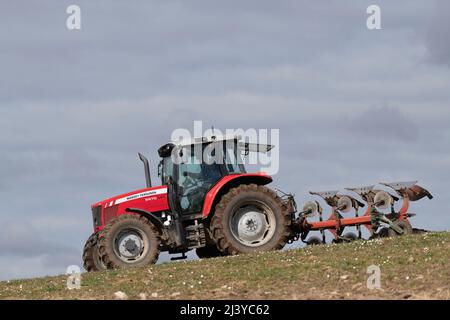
(250, 218)
(91, 256)
(129, 241)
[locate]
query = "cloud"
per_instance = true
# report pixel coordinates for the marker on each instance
(26, 240)
(383, 124)
(21, 243)
(437, 31)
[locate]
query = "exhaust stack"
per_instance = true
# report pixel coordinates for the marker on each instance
(148, 180)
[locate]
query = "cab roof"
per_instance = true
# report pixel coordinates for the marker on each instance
(165, 150)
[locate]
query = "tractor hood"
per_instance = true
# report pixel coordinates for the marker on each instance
(132, 197)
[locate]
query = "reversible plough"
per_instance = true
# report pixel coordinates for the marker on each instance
(378, 223)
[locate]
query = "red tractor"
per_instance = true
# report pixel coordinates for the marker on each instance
(216, 208)
(208, 202)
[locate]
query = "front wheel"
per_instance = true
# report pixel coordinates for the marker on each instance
(250, 218)
(129, 241)
(91, 256)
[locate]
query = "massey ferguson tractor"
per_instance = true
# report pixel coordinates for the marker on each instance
(208, 202)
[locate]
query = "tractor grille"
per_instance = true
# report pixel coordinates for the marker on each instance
(110, 213)
(97, 216)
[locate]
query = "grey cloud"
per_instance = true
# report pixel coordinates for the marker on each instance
(25, 240)
(383, 124)
(437, 33)
(25, 252)
(174, 46)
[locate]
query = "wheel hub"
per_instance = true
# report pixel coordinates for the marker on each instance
(250, 225)
(130, 246)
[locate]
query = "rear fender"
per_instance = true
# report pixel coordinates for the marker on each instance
(230, 181)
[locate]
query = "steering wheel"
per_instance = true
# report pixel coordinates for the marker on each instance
(189, 182)
(199, 190)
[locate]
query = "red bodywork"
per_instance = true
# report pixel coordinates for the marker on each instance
(155, 199)
(149, 199)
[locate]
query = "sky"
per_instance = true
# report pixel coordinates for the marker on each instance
(354, 106)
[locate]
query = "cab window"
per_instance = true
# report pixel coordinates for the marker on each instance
(167, 171)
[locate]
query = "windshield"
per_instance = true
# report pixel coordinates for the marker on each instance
(208, 162)
(205, 171)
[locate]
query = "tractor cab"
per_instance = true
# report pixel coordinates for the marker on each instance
(191, 168)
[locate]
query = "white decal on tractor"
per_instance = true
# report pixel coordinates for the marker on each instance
(141, 195)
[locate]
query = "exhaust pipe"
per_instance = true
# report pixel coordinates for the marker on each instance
(146, 170)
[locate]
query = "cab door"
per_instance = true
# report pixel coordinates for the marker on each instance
(194, 177)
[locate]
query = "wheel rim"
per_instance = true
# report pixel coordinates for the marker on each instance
(131, 245)
(253, 224)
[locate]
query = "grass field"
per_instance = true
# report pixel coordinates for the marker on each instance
(412, 267)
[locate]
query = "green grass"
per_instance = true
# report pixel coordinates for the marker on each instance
(412, 267)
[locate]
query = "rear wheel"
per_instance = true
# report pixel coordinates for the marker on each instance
(129, 241)
(404, 225)
(91, 256)
(210, 251)
(250, 218)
